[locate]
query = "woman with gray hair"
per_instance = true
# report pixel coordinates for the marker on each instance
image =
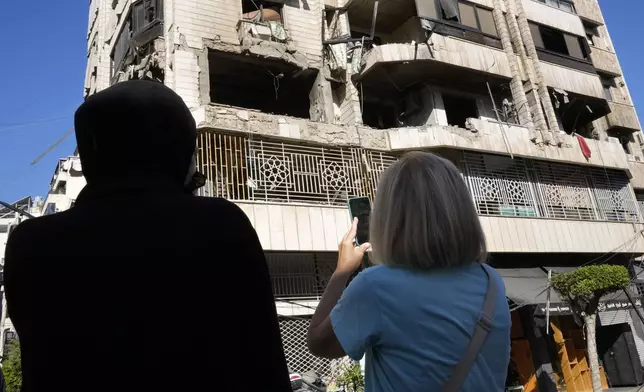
(428, 314)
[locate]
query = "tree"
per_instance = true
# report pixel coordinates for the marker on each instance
(12, 367)
(582, 288)
(351, 379)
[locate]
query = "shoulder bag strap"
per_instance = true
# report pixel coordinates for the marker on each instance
(483, 327)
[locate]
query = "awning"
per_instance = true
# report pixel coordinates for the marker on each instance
(527, 286)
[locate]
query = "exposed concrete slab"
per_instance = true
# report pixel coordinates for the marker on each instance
(483, 135)
(244, 120)
(488, 137)
(263, 49)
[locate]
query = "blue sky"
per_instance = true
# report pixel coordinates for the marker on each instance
(43, 69)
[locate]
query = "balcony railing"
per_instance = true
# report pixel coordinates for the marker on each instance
(250, 168)
(243, 168)
(522, 187)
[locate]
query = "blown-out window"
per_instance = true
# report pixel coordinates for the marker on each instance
(557, 41)
(471, 15)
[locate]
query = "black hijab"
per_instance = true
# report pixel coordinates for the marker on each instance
(136, 131)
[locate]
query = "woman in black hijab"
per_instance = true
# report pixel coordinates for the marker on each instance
(142, 286)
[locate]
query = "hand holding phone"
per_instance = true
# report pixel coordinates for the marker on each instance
(351, 256)
(360, 207)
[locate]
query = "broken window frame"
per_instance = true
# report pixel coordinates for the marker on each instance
(460, 24)
(541, 47)
(367, 40)
(136, 35)
(607, 85)
(152, 13)
(261, 3)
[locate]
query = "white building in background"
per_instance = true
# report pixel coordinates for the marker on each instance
(8, 221)
(65, 185)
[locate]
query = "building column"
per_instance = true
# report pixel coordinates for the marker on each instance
(516, 84)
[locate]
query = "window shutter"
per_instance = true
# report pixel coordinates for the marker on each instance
(574, 47)
(468, 15)
(536, 35)
(486, 17)
(426, 9)
(138, 17)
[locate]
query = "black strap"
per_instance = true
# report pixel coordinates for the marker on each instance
(483, 327)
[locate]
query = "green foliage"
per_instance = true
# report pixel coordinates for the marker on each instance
(351, 379)
(583, 287)
(591, 280)
(12, 367)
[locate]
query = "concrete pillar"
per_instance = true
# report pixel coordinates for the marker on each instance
(321, 99)
(524, 29)
(534, 100)
(516, 84)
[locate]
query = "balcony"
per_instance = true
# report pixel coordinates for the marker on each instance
(320, 228)
(255, 169)
(485, 135)
(589, 10)
(623, 116)
(506, 139)
(605, 61)
(637, 181)
(448, 58)
(559, 18)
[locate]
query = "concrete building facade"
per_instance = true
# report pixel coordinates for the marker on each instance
(301, 104)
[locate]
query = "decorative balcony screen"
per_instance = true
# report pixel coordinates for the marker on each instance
(253, 168)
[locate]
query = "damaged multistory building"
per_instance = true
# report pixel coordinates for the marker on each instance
(302, 104)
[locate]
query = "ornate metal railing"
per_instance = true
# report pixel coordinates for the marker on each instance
(244, 168)
(522, 187)
(241, 167)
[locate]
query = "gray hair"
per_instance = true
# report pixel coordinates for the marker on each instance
(424, 216)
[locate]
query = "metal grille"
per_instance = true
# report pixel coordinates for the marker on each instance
(222, 159)
(639, 196)
(300, 275)
(242, 168)
(521, 187)
(615, 198)
(375, 164)
(562, 191)
(298, 357)
(499, 185)
(294, 173)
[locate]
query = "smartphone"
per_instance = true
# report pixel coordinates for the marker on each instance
(360, 207)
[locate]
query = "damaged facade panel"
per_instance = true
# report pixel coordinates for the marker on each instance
(138, 52)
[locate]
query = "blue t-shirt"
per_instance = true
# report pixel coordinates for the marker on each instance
(415, 325)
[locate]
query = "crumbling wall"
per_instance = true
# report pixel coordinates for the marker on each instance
(321, 97)
(148, 64)
(234, 119)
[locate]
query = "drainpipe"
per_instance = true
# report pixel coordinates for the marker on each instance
(524, 29)
(541, 127)
(516, 85)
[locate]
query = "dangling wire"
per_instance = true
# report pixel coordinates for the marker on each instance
(276, 82)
